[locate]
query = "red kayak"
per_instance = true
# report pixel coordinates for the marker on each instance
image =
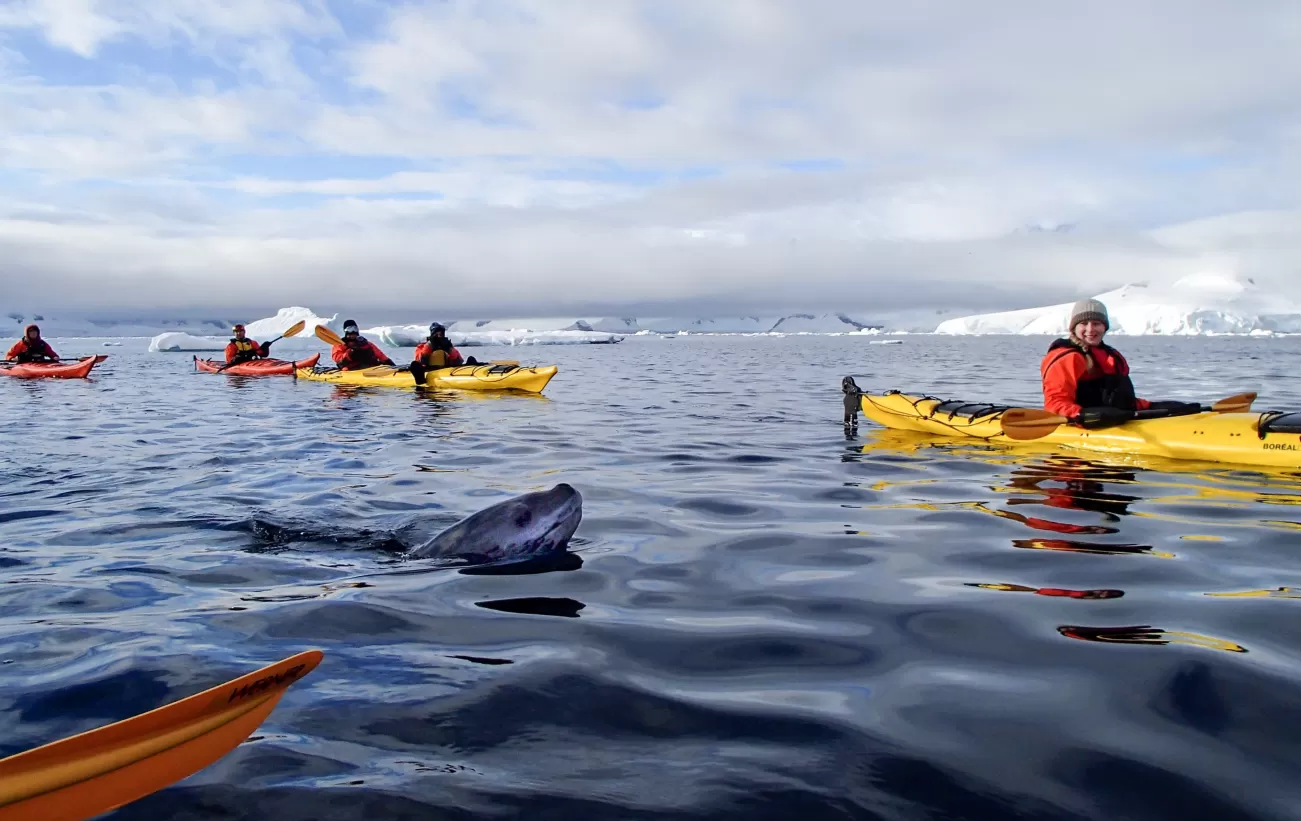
(56, 370)
(257, 367)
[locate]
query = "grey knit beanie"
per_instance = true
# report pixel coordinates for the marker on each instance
(1087, 309)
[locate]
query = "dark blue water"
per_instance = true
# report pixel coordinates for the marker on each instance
(762, 619)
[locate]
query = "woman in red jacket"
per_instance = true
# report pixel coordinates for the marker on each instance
(31, 348)
(1087, 380)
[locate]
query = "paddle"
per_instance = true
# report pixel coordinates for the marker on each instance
(292, 330)
(91, 773)
(1024, 424)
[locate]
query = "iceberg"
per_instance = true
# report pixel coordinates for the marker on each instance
(409, 336)
(1205, 304)
(267, 329)
(262, 330)
(181, 342)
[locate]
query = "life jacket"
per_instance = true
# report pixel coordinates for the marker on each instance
(245, 347)
(1095, 388)
(28, 351)
(442, 355)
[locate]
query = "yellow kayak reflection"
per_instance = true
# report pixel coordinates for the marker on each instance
(1146, 634)
(1049, 479)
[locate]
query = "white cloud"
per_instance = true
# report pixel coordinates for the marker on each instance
(623, 153)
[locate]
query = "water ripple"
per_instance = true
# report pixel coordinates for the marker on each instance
(759, 618)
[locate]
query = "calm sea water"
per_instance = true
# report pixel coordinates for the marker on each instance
(763, 619)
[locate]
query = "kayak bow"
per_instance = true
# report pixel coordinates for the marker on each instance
(100, 770)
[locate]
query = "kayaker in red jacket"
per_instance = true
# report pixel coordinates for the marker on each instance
(31, 348)
(1082, 372)
(243, 349)
(437, 352)
(357, 352)
(1087, 380)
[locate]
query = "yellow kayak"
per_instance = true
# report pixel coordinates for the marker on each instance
(1268, 439)
(490, 377)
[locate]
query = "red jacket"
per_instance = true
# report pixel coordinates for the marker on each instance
(22, 346)
(232, 348)
(364, 355)
(424, 350)
(1062, 371)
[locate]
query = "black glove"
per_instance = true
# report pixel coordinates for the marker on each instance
(1176, 408)
(1103, 417)
(265, 348)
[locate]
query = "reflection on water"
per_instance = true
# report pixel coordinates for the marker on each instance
(1145, 634)
(1076, 546)
(1051, 591)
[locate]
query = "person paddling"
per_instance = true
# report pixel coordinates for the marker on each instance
(436, 352)
(242, 349)
(356, 352)
(1087, 381)
(31, 348)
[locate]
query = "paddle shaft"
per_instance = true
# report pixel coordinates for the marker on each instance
(1035, 423)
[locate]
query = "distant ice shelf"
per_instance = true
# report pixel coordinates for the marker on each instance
(1204, 305)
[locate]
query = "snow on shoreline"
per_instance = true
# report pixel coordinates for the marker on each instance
(1206, 305)
(409, 336)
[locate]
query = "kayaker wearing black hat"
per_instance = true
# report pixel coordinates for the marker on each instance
(31, 348)
(357, 352)
(437, 352)
(1087, 380)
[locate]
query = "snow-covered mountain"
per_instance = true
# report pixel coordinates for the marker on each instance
(55, 326)
(409, 336)
(472, 334)
(1206, 304)
(210, 334)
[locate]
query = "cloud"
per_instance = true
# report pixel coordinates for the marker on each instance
(739, 155)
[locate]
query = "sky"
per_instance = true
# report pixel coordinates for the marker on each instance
(641, 157)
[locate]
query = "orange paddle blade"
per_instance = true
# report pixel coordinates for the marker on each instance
(1238, 403)
(1030, 423)
(100, 770)
(326, 335)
